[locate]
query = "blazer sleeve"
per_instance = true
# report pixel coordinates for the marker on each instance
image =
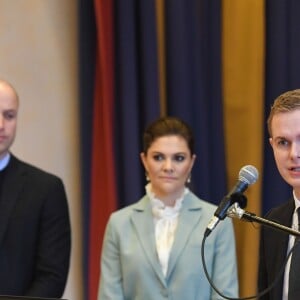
(273, 250)
(111, 275)
(54, 242)
(224, 275)
(262, 273)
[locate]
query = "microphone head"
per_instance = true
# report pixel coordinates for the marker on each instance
(248, 174)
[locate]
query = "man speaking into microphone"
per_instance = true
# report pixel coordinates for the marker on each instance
(284, 130)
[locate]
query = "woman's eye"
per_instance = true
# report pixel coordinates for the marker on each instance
(179, 158)
(158, 157)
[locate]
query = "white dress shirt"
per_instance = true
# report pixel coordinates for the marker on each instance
(4, 161)
(290, 245)
(165, 222)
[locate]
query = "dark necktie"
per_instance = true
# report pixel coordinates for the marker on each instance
(294, 275)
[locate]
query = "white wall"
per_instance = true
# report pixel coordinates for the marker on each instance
(38, 55)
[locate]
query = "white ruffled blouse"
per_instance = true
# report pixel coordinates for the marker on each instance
(165, 222)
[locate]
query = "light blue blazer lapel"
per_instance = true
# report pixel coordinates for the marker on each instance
(142, 221)
(189, 217)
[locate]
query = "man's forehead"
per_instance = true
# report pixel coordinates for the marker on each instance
(8, 92)
(286, 123)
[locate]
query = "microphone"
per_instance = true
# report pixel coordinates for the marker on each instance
(247, 176)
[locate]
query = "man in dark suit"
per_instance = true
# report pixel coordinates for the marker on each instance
(284, 130)
(35, 238)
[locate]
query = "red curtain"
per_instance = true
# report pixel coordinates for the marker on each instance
(103, 194)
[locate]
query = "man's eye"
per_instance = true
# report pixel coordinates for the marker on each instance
(9, 115)
(158, 157)
(179, 158)
(282, 143)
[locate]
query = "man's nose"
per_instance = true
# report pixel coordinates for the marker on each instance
(295, 150)
(1, 122)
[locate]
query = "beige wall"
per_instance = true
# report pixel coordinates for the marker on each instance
(38, 55)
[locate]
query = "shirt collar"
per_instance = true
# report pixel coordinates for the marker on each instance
(4, 161)
(157, 202)
(296, 200)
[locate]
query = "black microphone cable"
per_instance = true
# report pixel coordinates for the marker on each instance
(260, 294)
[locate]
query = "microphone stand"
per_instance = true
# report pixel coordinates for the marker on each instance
(235, 211)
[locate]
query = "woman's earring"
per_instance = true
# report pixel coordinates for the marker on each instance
(147, 176)
(189, 178)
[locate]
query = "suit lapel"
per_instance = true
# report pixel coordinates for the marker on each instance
(279, 240)
(189, 217)
(283, 217)
(12, 185)
(142, 221)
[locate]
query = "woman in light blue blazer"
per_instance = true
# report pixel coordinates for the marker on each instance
(152, 249)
